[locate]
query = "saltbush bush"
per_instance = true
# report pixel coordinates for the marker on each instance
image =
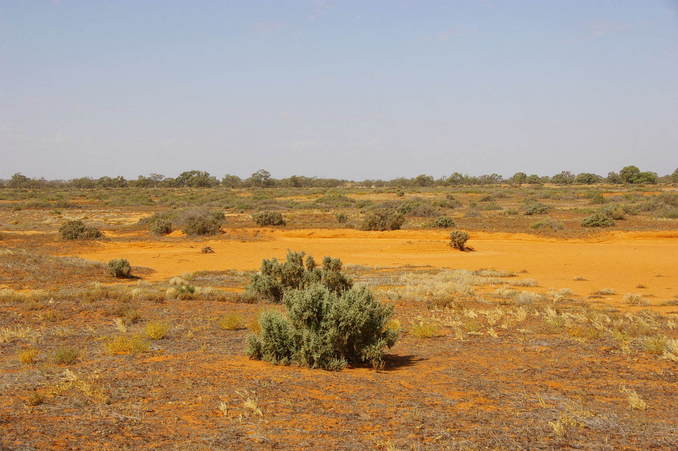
(275, 278)
(598, 219)
(443, 222)
(458, 239)
(201, 222)
(268, 218)
(383, 219)
(325, 329)
(77, 230)
(120, 268)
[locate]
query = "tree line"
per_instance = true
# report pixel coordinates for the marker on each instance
(263, 179)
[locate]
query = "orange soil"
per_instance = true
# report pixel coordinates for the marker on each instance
(617, 260)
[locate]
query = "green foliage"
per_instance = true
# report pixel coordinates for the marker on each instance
(275, 278)
(120, 268)
(325, 329)
(536, 208)
(201, 222)
(160, 223)
(443, 222)
(563, 178)
(77, 230)
(383, 219)
(268, 218)
(586, 178)
(548, 223)
(598, 219)
(633, 175)
(458, 239)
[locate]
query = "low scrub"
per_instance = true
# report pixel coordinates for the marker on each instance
(127, 345)
(201, 222)
(325, 329)
(78, 230)
(548, 223)
(65, 356)
(120, 268)
(274, 277)
(443, 222)
(536, 208)
(269, 218)
(383, 219)
(598, 219)
(458, 240)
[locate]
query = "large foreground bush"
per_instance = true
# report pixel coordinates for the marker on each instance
(325, 329)
(78, 230)
(275, 278)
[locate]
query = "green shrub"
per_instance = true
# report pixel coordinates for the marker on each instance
(383, 219)
(274, 277)
(161, 224)
(598, 219)
(201, 222)
(268, 218)
(443, 222)
(120, 268)
(548, 223)
(325, 329)
(536, 208)
(77, 230)
(341, 218)
(614, 212)
(458, 239)
(65, 356)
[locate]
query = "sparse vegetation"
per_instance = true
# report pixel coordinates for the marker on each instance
(458, 239)
(269, 218)
(383, 219)
(77, 230)
(120, 268)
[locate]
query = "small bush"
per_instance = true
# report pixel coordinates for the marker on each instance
(156, 330)
(458, 239)
(443, 222)
(536, 208)
(598, 219)
(269, 218)
(77, 230)
(201, 222)
(341, 218)
(120, 268)
(207, 250)
(274, 278)
(126, 345)
(65, 356)
(323, 329)
(383, 219)
(425, 329)
(548, 223)
(161, 224)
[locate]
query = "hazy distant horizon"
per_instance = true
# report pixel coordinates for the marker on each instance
(350, 90)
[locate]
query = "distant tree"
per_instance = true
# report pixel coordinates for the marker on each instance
(613, 178)
(423, 180)
(519, 178)
(533, 179)
(196, 179)
(456, 179)
(19, 180)
(231, 181)
(674, 176)
(491, 179)
(83, 182)
(563, 178)
(586, 178)
(261, 178)
(629, 173)
(645, 178)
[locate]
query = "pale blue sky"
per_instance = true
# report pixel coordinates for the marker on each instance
(350, 89)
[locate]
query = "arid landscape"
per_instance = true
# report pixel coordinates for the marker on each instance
(556, 328)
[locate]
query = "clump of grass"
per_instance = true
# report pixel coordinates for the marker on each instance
(35, 399)
(635, 299)
(655, 345)
(605, 292)
(634, 399)
(548, 223)
(231, 322)
(524, 283)
(156, 330)
(65, 356)
(127, 345)
(425, 329)
(28, 356)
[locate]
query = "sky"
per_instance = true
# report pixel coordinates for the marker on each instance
(346, 89)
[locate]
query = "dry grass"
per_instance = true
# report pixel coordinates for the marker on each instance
(65, 356)
(156, 330)
(127, 345)
(634, 400)
(426, 329)
(231, 321)
(28, 356)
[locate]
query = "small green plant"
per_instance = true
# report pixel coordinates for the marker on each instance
(77, 230)
(324, 329)
(269, 218)
(598, 219)
(458, 239)
(120, 268)
(383, 219)
(65, 356)
(443, 222)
